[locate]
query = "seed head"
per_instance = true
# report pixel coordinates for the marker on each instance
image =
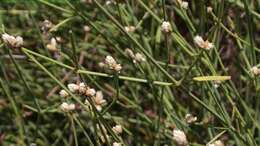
(82, 88)
(179, 137)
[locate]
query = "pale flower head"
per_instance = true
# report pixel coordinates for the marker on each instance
(190, 118)
(129, 53)
(64, 93)
(179, 137)
(65, 107)
(73, 87)
(90, 92)
(117, 129)
(12, 40)
(217, 143)
(82, 88)
(184, 5)
(130, 28)
(117, 67)
(110, 60)
(52, 46)
(86, 28)
(203, 44)
(139, 57)
(255, 70)
(166, 27)
(209, 9)
(117, 144)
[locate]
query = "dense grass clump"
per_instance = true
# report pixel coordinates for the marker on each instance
(130, 72)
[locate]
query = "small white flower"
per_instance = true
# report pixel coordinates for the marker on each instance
(166, 27)
(117, 129)
(203, 44)
(209, 9)
(12, 41)
(73, 87)
(99, 100)
(52, 46)
(129, 53)
(46, 25)
(112, 64)
(184, 5)
(108, 2)
(90, 92)
(139, 57)
(190, 118)
(86, 28)
(217, 143)
(110, 61)
(82, 88)
(255, 70)
(179, 137)
(130, 28)
(64, 94)
(65, 107)
(117, 144)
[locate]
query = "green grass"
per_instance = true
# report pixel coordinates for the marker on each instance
(148, 99)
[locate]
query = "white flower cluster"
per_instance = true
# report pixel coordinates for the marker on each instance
(117, 144)
(117, 129)
(179, 137)
(190, 118)
(138, 57)
(83, 89)
(183, 4)
(203, 44)
(111, 63)
(66, 107)
(46, 25)
(217, 143)
(12, 41)
(98, 99)
(255, 70)
(130, 28)
(166, 27)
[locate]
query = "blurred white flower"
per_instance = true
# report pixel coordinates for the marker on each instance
(99, 100)
(117, 144)
(117, 129)
(82, 88)
(130, 28)
(184, 5)
(86, 28)
(52, 46)
(46, 25)
(166, 27)
(138, 57)
(73, 87)
(255, 70)
(203, 44)
(12, 40)
(90, 92)
(209, 9)
(65, 107)
(64, 94)
(189, 118)
(112, 64)
(179, 137)
(217, 143)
